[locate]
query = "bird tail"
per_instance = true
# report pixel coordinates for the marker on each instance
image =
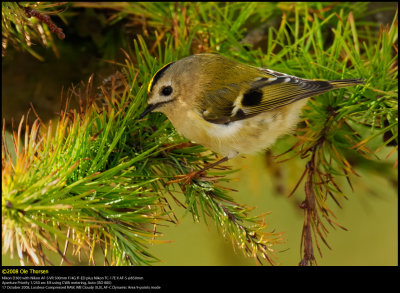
(345, 82)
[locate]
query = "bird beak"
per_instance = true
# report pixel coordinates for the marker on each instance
(150, 108)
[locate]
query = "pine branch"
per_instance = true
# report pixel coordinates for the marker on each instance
(30, 23)
(98, 178)
(101, 173)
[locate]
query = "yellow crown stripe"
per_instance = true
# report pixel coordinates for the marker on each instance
(156, 76)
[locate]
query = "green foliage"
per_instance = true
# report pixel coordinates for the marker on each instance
(23, 26)
(103, 178)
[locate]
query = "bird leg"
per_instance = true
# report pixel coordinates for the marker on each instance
(187, 178)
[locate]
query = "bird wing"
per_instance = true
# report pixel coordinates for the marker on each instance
(268, 92)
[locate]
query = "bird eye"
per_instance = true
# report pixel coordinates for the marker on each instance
(166, 91)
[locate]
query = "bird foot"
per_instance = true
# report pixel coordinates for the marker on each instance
(186, 178)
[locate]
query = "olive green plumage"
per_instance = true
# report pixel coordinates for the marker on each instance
(226, 105)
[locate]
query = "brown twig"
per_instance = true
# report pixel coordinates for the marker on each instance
(316, 190)
(29, 12)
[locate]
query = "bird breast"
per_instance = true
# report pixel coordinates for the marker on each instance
(245, 136)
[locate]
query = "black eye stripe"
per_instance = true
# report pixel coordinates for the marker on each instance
(158, 75)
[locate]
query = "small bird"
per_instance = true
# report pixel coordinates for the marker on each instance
(229, 107)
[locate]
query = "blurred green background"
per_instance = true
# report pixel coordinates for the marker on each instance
(370, 214)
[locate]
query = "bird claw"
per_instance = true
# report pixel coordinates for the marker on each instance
(186, 178)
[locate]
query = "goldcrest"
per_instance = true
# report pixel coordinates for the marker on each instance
(229, 107)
